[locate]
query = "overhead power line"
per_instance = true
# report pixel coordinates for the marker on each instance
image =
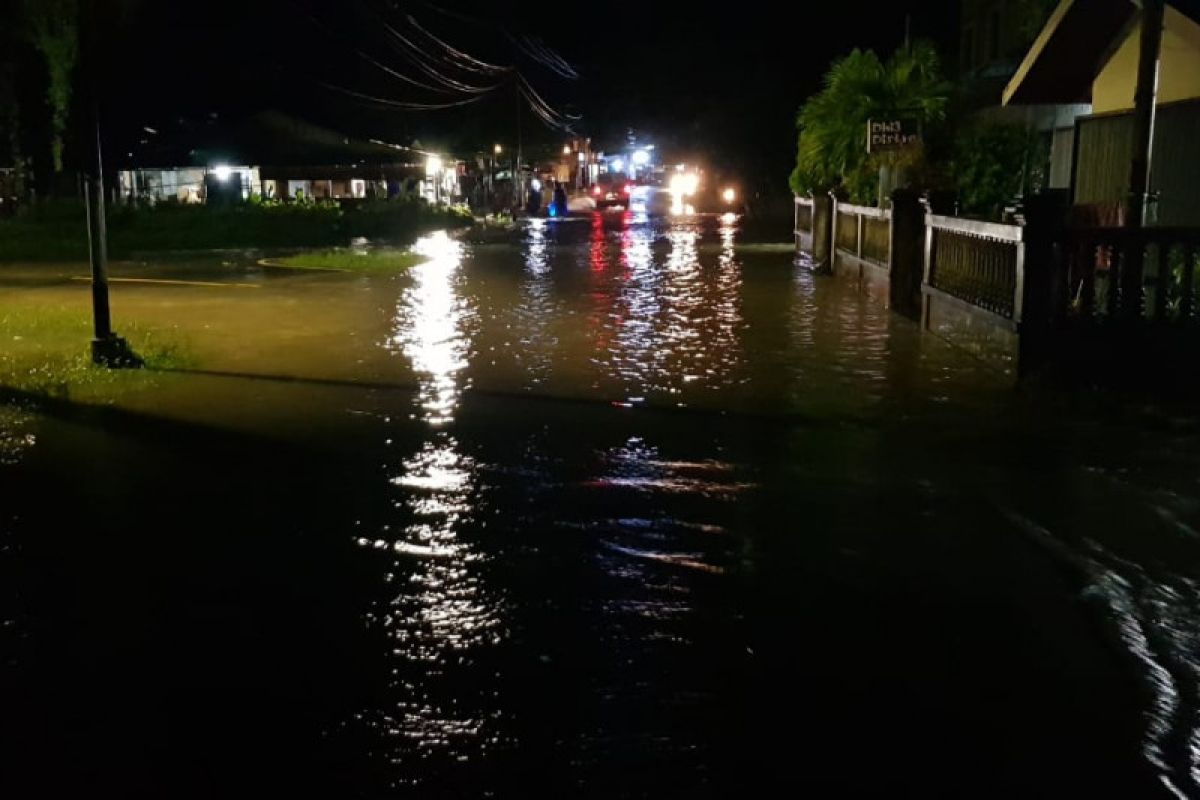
(441, 64)
(469, 62)
(410, 106)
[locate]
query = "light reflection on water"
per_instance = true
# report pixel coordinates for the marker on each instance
(430, 327)
(656, 313)
(653, 515)
(538, 310)
(661, 318)
(441, 611)
(16, 434)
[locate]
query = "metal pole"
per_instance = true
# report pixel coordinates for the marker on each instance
(94, 189)
(98, 246)
(517, 172)
(1145, 101)
(108, 349)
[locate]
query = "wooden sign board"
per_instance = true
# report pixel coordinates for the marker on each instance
(885, 135)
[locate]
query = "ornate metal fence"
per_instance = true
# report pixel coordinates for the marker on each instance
(981, 264)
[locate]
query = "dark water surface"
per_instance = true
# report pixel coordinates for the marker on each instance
(624, 510)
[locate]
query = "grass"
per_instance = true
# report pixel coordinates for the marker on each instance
(45, 350)
(57, 231)
(381, 260)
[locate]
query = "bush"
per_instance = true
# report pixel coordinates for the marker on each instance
(58, 231)
(993, 164)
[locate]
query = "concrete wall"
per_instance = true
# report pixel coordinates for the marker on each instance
(1179, 73)
(972, 330)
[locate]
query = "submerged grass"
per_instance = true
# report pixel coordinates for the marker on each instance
(382, 260)
(45, 350)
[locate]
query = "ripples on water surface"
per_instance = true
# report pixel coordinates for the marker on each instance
(647, 512)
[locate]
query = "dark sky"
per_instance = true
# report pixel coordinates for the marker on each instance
(723, 83)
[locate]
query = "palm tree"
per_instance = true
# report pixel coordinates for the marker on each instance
(832, 145)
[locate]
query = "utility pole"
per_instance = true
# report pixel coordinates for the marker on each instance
(1145, 108)
(1145, 101)
(108, 349)
(519, 183)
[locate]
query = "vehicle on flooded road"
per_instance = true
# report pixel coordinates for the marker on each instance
(612, 190)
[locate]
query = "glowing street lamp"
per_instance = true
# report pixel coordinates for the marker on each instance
(729, 195)
(497, 149)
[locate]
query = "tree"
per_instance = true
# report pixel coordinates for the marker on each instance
(53, 27)
(832, 144)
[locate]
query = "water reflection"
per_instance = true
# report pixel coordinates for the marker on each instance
(16, 439)
(430, 327)
(441, 611)
(538, 309)
(628, 310)
(667, 314)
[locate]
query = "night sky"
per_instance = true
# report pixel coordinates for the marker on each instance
(719, 85)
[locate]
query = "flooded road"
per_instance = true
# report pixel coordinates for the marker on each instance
(619, 509)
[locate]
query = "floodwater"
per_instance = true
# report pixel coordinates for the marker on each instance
(619, 509)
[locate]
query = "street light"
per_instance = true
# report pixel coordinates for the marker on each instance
(497, 149)
(566, 149)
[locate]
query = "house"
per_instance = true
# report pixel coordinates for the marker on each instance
(994, 36)
(1089, 52)
(277, 156)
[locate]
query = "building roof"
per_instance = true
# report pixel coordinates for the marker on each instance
(268, 137)
(1073, 47)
